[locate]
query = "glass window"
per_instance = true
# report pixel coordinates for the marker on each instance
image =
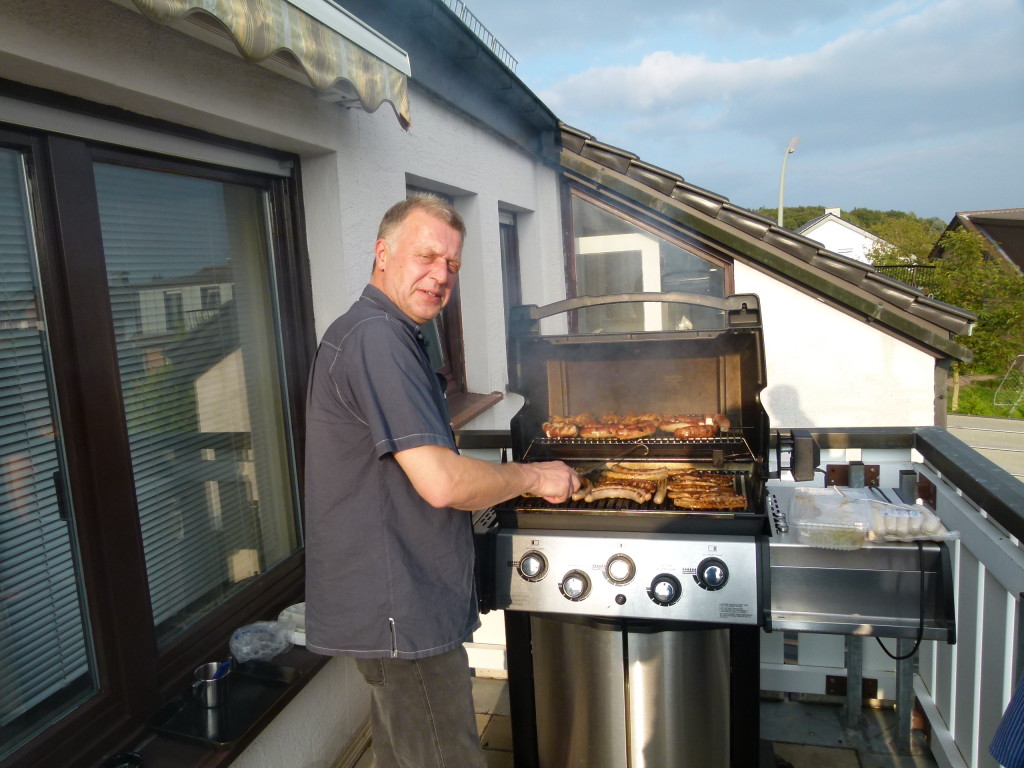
(188, 268)
(613, 254)
(46, 663)
(148, 465)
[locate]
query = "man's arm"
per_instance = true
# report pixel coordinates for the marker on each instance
(448, 479)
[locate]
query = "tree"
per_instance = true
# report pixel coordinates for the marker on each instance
(968, 277)
(908, 240)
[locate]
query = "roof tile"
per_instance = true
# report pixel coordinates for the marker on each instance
(851, 270)
(744, 220)
(883, 286)
(607, 155)
(654, 177)
(796, 245)
(695, 197)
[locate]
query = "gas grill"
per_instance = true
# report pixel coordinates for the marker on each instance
(657, 601)
(682, 564)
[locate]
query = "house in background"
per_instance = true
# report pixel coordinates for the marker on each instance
(840, 236)
(1003, 231)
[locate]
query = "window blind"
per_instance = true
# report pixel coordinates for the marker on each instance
(43, 644)
(189, 273)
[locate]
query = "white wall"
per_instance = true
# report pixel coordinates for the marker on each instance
(316, 726)
(354, 165)
(828, 369)
(840, 238)
(484, 174)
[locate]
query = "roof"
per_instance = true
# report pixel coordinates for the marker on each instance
(450, 62)
(847, 284)
(1002, 229)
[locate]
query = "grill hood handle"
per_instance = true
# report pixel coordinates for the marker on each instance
(741, 309)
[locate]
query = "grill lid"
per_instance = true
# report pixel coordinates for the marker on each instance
(714, 369)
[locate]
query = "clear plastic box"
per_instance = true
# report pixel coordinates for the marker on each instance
(823, 517)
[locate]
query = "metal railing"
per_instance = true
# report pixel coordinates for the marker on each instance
(921, 276)
(963, 689)
(467, 17)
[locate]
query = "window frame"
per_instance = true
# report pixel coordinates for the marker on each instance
(686, 239)
(511, 272)
(135, 677)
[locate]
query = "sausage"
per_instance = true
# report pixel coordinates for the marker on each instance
(585, 487)
(660, 493)
(559, 429)
(696, 431)
(635, 430)
(618, 492)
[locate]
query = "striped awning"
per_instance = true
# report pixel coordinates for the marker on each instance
(316, 47)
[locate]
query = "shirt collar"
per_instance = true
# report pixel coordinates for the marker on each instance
(375, 295)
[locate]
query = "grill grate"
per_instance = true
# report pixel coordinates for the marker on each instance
(717, 451)
(625, 515)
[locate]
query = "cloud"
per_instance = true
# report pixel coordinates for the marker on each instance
(946, 65)
(888, 95)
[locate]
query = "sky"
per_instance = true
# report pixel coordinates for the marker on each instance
(910, 105)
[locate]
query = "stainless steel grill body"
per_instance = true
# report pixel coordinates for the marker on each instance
(632, 627)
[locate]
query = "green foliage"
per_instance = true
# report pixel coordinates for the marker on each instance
(908, 240)
(966, 277)
(793, 217)
(879, 222)
(978, 399)
(873, 221)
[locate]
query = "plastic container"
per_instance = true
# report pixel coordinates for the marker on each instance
(823, 517)
(296, 614)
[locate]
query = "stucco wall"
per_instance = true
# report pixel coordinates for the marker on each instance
(828, 369)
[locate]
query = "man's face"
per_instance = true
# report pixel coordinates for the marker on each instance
(417, 270)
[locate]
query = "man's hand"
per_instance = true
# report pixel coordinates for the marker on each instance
(555, 482)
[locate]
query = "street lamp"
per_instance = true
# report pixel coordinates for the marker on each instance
(793, 144)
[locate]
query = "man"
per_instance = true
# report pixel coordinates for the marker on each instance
(389, 549)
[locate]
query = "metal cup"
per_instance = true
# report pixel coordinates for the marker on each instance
(211, 684)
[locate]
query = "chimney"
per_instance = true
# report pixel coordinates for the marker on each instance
(834, 211)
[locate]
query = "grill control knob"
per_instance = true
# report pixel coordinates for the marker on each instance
(665, 589)
(533, 566)
(711, 574)
(620, 569)
(575, 585)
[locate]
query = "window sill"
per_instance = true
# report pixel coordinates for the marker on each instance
(463, 407)
(164, 751)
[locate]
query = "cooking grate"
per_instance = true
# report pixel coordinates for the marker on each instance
(717, 451)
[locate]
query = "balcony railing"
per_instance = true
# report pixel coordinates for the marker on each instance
(477, 28)
(963, 688)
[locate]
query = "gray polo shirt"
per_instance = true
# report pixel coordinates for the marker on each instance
(386, 573)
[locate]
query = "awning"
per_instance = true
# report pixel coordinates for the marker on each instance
(311, 41)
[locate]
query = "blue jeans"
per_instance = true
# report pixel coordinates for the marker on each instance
(422, 712)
